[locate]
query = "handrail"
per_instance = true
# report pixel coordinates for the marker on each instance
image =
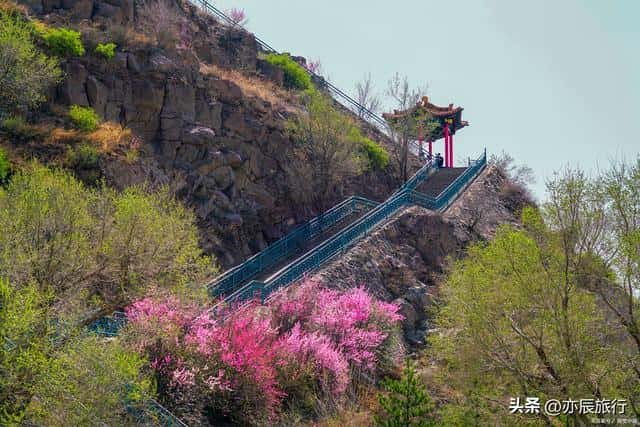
(347, 237)
(286, 245)
(339, 95)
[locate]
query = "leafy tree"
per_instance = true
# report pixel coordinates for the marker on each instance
(5, 166)
(90, 382)
(521, 324)
(377, 157)
(25, 72)
(405, 401)
(599, 219)
(95, 248)
(329, 152)
(25, 336)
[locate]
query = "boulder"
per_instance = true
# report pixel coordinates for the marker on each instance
(72, 89)
(49, 6)
(208, 113)
(97, 94)
(80, 9)
(132, 63)
(224, 177)
(271, 72)
(215, 160)
(198, 135)
(180, 100)
(233, 159)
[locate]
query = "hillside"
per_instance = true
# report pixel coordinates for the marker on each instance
(208, 117)
(197, 230)
(406, 260)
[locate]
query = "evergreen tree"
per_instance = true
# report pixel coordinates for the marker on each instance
(406, 402)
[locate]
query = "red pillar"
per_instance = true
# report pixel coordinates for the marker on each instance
(451, 150)
(430, 147)
(446, 145)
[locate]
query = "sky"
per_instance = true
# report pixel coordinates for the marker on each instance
(552, 83)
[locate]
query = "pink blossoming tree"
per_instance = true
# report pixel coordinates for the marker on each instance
(305, 342)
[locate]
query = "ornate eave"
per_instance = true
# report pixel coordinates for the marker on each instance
(429, 112)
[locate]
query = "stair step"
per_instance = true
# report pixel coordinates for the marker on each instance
(439, 181)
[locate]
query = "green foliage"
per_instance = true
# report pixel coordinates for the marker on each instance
(5, 166)
(63, 41)
(84, 156)
(377, 157)
(90, 382)
(24, 345)
(523, 325)
(328, 153)
(107, 50)
(65, 251)
(17, 127)
(405, 402)
(295, 76)
(98, 243)
(84, 118)
(25, 72)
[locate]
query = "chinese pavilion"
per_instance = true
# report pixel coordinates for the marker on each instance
(426, 120)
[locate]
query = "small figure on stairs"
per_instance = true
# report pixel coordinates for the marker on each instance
(439, 160)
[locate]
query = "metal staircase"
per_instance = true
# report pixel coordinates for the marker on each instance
(289, 245)
(334, 231)
(449, 183)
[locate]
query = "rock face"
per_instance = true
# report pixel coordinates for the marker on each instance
(224, 151)
(406, 259)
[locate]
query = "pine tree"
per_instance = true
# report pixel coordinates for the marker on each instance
(405, 401)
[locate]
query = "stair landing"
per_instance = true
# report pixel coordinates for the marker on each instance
(439, 181)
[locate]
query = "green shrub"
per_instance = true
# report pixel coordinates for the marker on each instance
(63, 41)
(108, 50)
(5, 166)
(295, 76)
(376, 156)
(84, 118)
(84, 157)
(25, 72)
(17, 127)
(405, 402)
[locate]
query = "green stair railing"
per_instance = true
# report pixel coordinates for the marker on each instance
(350, 235)
(109, 326)
(286, 246)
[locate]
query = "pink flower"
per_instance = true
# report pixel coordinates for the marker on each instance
(237, 16)
(329, 364)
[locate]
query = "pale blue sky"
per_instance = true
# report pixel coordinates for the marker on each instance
(550, 82)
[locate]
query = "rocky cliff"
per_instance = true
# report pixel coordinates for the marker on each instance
(218, 142)
(405, 260)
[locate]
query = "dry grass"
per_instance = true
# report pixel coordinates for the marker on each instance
(57, 136)
(106, 138)
(7, 6)
(358, 411)
(250, 85)
(110, 136)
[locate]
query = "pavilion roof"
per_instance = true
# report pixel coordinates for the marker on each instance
(433, 112)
